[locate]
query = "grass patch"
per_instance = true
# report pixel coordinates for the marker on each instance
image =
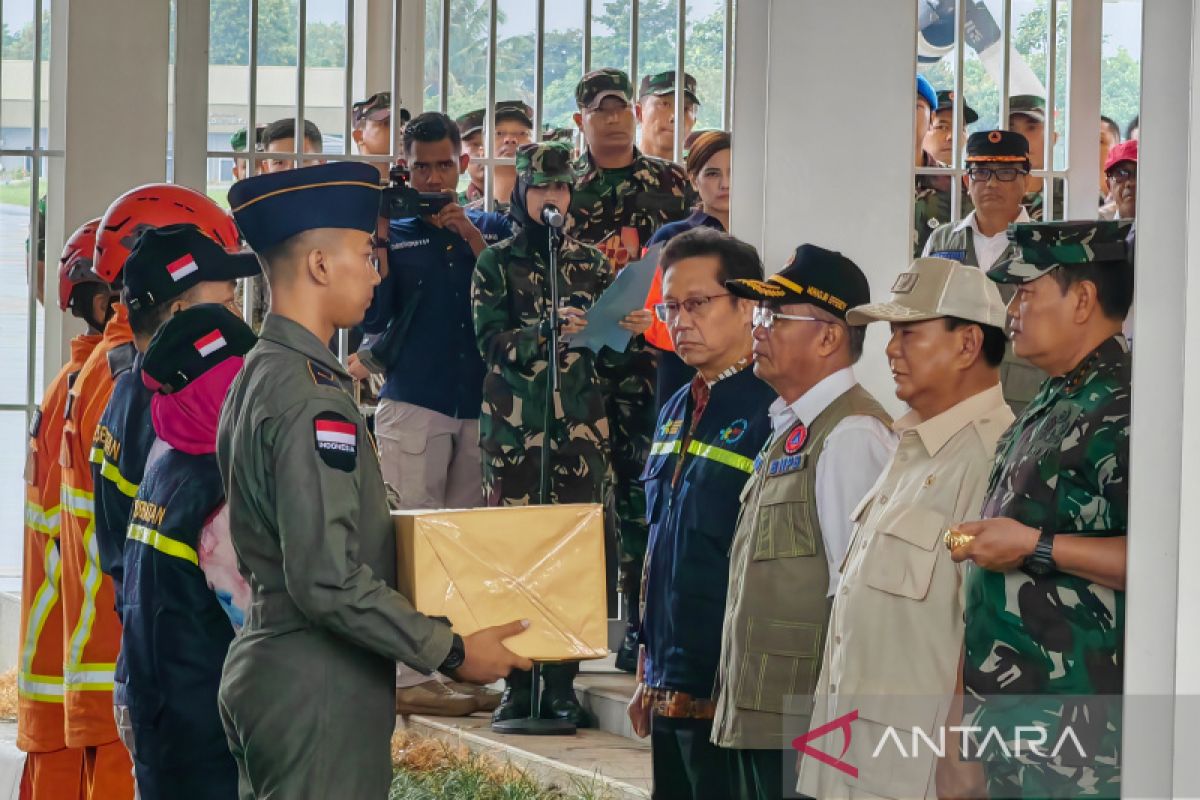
(16, 192)
(431, 769)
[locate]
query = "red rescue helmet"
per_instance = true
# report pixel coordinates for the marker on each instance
(157, 205)
(75, 266)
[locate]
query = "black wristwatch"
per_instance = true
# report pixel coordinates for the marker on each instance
(1041, 560)
(455, 658)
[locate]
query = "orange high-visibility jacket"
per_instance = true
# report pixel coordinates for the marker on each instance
(92, 630)
(40, 664)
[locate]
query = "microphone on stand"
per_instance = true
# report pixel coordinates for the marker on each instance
(553, 217)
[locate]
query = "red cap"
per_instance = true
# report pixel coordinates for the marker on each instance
(1125, 151)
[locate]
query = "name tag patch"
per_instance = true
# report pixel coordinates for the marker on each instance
(786, 464)
(336, 439)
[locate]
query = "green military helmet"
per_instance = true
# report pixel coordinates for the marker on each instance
(542, 163)
(1043, 246)
(601, 83)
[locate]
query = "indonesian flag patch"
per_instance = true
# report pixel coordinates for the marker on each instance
(181, 267)
(336, 440)
(210, 343)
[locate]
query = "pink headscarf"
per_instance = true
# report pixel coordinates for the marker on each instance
(187, 419)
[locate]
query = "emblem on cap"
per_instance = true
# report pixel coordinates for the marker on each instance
(905, 283)
(207, 345)
(994, 137)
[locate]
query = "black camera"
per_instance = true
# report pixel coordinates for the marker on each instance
(401, 200)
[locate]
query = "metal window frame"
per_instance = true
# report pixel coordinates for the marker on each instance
(1049, 174)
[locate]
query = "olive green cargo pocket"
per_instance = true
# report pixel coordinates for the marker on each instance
(782, 530)
(780, 666)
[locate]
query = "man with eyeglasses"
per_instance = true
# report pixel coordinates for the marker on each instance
(708, 434)
(830, 441)
(656, 112)
(1121, 172)
(997, 165)
(514, 127)
(371, 120)
(621, 197)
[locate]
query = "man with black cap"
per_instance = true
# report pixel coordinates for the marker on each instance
(308, 692)
(1045, 599)
(939, 139)
(997, 164)
(932, 201)
(655, 112)
(620, 199)
(830, 440)
(176, 629)
(514, 127)
(371, 121)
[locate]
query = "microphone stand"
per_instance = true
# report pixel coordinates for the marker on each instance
(535, 724)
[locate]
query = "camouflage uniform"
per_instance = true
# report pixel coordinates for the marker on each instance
(931, 205)
(617, 211)
(511, 301)
(1062, 467)
(1035, 203)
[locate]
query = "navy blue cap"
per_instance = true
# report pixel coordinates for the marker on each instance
(925, 92)
(272, 208)
(168, 261)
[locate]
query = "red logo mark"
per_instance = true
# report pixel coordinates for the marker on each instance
(842, 723)
(796, 439)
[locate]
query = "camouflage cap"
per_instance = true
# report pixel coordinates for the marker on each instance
(238, 140)
(1042, 246)
(472, 122)
(377, 107)
(542, 163)
(553, 134)
(1030, 105)
(664, 83)
(601, 83)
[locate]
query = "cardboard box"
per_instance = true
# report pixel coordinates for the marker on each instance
(489, 566)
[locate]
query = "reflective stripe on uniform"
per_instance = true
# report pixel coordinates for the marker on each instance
(721, 456)
(42, 520)
(43, 688)
(40, 609)
(90, 677)
(110, 471)
(163, 544)
(79, 502)
(91, 579)
(664, 448)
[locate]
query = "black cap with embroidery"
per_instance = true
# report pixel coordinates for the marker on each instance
(168, 261)
(945, 100)
(997, 146)
(191, 343)
(813, 275)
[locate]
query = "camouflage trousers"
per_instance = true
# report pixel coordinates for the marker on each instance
(629, 401)
(576, 476)
(1027, 778)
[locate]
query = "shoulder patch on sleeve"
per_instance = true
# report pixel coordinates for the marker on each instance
(322, 376)
(120, 359)
(336, 439)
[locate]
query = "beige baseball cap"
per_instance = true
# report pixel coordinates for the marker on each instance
(937, 287)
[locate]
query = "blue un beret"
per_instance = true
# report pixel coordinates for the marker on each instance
(270, 209)
(925, 92)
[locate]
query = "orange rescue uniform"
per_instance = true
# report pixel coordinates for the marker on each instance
(52, 770)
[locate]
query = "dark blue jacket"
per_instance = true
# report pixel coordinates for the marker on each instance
(175, 633)
(429, 285)
(692, 525)
(698, 219)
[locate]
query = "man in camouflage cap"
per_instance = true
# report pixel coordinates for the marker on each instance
(621, 197)
(514, 127)
(1045, 601)
(1027, 116)
(371, 120)
(510, 297)
(656, 112)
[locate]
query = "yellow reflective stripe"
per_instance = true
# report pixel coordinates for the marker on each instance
(79, 502)
(43, 603)
(664, 448)
(109, 470)
(43, 688)
(97, 454)
(42, 520)
(163, 544)
(90, 578)
(721, 456)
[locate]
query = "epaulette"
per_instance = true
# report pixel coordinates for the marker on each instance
(120, 359)
(322, 376)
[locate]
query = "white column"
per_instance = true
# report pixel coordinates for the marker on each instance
(822, 160)
(373, 47)
(190, 95)
(411, 57)
(1083, 110)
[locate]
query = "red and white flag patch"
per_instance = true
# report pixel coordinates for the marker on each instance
(210, 343)
(336, 440)
(181, 267)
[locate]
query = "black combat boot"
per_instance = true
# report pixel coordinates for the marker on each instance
(631, 587)
(558, 698)
(517, 702)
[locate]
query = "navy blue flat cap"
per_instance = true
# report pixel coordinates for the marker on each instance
(270, 209)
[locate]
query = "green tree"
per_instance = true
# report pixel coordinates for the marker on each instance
(18, 46)
(278, 24)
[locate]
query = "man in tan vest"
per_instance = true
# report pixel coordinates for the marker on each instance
(900, 590)
(830, 440)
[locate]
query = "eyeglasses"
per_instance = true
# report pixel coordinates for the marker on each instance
(1002, 174)
(764, 317)
(1122, 175)
(695, 306)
